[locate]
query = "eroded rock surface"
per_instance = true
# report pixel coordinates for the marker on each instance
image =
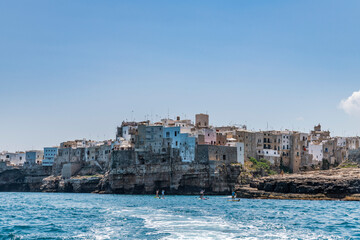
(327, 184)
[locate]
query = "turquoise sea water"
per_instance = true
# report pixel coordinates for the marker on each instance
(90, 216)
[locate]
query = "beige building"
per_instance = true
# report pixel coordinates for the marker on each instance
(202, 120)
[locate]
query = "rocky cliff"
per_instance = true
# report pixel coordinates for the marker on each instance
(23, 180)
(78, 184)
(328, 184)
(175, 179)
(146, 179)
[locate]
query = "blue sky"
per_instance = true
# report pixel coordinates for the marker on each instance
(76, 69)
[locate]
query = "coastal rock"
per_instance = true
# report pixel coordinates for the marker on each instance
(23, 180)
(174, 179)
(79, 184)
(327, 184)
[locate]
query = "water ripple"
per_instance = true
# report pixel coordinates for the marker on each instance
(89, 216)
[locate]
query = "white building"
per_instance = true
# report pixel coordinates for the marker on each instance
(15, 159)
(286, 141)
(239, 149)
(341, 141)
(316, 150)
(272, 155)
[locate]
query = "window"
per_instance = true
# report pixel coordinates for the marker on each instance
(224, 157)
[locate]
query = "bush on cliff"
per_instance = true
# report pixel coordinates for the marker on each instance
(262, 166)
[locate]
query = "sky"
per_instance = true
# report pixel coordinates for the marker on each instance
(77, 69)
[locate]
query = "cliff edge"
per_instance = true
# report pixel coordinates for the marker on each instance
(334, 184)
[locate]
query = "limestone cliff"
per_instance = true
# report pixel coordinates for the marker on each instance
(23, 180)
(78, 184)
(175, 179)
(328, 184)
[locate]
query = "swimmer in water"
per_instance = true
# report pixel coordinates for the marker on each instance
(233, 195)
(202, 193)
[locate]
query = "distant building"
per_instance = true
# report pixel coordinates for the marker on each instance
(249, 140)
(207, 136)
(182, 141)
(273, 156)
(14, 159)
(202, 120)
(225, 154)
(316, 150)
(318, 135)
(298, 154)
(150, 138)
(34, 157)
(50, 154)
(240, 150)
(127, 131)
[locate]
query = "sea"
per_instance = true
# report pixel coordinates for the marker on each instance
(94, 216)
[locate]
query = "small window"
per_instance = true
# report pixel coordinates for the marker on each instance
(224, 157)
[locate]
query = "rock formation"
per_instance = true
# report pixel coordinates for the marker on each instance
(328, 184)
